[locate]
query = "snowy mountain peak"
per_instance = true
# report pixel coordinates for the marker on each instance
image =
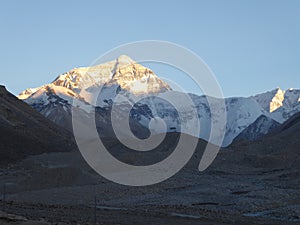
(271, 100)
(122, 73)
(85, 77)
(124, 59)
(277, 100)
(29, 91)
(138, 79)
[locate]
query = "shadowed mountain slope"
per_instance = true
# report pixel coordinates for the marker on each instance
(24, 131)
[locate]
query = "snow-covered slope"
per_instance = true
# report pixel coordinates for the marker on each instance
(290, 106)
(280, 105)
(55, 100)
(125, 76)
(26, 94)
(261, 126)
(271, 100)
(241, 112)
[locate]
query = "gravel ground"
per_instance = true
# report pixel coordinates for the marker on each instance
(59, 188)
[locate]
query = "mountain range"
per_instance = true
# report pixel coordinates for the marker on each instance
(247, 117)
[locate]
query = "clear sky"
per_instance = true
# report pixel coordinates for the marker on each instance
(252, 46)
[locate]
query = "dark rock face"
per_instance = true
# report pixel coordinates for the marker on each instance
(25, 132)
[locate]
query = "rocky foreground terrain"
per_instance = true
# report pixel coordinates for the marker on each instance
(249, 183)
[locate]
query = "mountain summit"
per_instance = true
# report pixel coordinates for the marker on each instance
(271, 100)
(122, 73)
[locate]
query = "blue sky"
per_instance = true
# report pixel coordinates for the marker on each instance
(251, 46)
